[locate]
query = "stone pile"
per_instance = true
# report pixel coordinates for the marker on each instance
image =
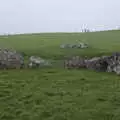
(10, 59)
(79, 45)
(104, 63)
(75, 62)
(36, 62)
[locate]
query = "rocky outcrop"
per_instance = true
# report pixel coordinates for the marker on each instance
(10, 59)
(103, 63)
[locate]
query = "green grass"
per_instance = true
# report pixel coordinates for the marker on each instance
(47, 45)
(56, 93)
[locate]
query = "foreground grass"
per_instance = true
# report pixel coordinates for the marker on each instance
(55, 93)
(50, 94)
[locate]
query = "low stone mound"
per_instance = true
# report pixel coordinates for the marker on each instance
(10, 59)
(79, 45)
(103, 63)
(75, 62)
(36, 62)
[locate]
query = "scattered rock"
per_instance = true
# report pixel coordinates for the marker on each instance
(79, 45)
(103, 63)
(10, 59)
(36, 62)
(74, 62)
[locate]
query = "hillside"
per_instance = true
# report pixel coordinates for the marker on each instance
(57, 93)
(47, 44)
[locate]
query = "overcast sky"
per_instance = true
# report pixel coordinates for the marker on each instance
(21, 16)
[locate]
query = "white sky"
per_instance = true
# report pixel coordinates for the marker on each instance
(24, 16)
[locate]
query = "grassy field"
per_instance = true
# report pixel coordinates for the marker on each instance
(56, 93)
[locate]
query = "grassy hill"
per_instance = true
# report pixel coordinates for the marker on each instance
(56, 93)
(47, 45)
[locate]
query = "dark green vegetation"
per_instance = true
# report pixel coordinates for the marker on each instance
(55, 93)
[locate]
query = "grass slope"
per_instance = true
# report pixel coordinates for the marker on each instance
(47, 45)
(55, 93)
